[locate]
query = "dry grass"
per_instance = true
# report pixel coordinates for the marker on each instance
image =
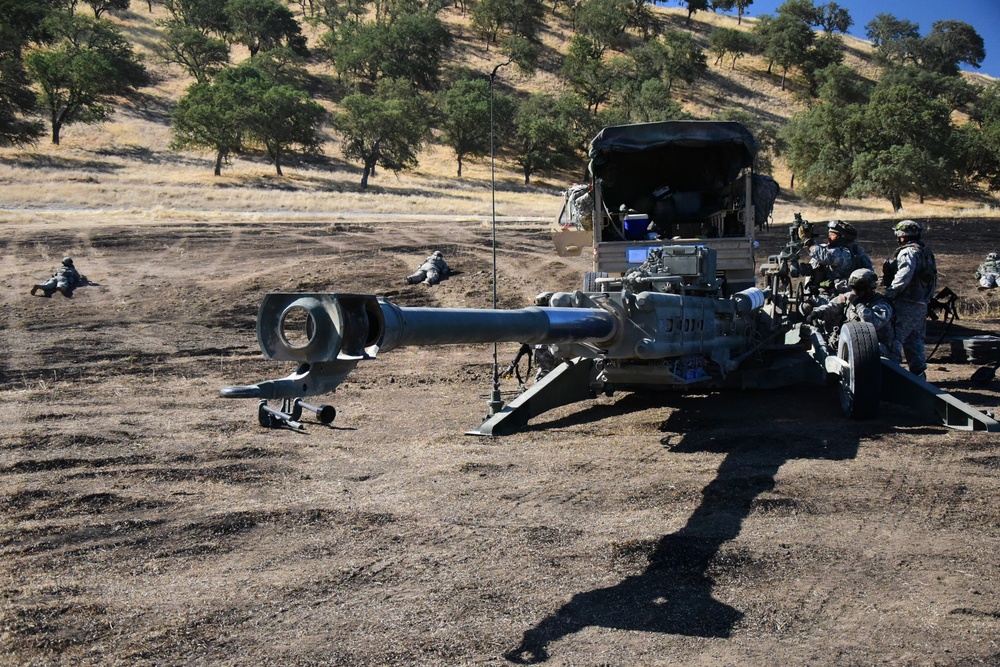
(124, 166)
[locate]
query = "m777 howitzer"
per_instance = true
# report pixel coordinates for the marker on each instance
(672, 302)
(660, 330)
(665, 325)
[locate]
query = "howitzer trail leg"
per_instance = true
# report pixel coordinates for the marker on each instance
(904, 388)
(567, 383)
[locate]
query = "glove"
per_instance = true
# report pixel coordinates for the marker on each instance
(803, 234)
(852, 298)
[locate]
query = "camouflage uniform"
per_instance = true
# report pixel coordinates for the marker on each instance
(431, 271)
(545, 361)
(581, 206)
(833, 264)
(911, 290)
(859, 257)
(875, 310)
(836, 259)
(988, 272)
(65, 280)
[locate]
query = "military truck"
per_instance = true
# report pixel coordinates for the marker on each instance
(685, 183)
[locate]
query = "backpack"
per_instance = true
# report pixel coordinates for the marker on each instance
(927, 273)
(859, 258)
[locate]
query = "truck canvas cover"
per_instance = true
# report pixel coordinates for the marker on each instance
(686, 154)
(734, 146)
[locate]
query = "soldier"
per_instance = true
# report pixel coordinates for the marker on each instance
(860, 259)
(912, 276)
(65, 280)
(863, 304)
(988, 272)
(832, 263)
(431, 271)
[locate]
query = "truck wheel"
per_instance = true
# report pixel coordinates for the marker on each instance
(861, 381)
(590, 283)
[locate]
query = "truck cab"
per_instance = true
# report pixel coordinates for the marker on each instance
(677, 183)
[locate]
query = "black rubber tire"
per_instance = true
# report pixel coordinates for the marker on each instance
(590, 283)
(976, 349)
(861, 382)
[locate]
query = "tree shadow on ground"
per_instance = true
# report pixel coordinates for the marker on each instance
(153, 108)
(38, 161)
(146, 155)
(674, 593)
(738, 95)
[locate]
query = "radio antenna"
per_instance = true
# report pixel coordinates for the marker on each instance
(496, 402)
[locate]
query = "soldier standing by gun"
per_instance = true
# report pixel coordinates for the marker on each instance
(862, 304)
(911, 276)
(833, 262)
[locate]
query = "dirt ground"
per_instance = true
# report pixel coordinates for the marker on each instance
(146, 521)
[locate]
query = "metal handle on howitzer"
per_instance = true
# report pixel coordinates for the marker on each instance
(330, 333)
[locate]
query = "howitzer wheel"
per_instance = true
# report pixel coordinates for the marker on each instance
(861, 380)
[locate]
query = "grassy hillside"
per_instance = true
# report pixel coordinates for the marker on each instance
(124, 167)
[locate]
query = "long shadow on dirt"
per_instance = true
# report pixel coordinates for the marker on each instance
(674, 593)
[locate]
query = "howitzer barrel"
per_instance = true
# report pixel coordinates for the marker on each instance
(533, 325)
(330, 327)
(330, 333)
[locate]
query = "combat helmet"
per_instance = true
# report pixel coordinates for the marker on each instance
(992, 257)
(67, 261)
(908, 228)
(863, 278)
(846, 230)
(437, 253)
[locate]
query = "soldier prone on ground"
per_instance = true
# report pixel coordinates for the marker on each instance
(65, 279)
(431, 271)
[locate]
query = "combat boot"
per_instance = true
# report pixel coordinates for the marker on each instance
(46, 292)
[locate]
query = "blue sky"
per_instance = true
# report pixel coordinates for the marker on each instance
(983, 15)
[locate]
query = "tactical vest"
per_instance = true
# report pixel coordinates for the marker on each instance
(927, 271)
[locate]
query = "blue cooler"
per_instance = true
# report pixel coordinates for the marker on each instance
(636, 226)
